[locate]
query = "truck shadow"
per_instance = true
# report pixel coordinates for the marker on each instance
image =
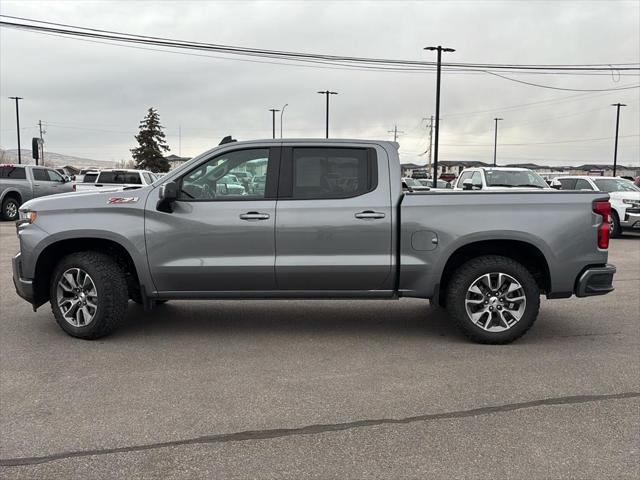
(293, 317)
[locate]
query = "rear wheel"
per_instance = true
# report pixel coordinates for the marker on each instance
(10, 206)
(493, 299)
(88, 294)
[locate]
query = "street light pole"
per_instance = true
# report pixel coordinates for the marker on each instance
(273, 120)
(327, 93)
(615, 149)
(439, 49)
(281, 114)
(495, 141)
(18, 126)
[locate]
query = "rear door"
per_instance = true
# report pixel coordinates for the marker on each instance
(217, 238)
(333, 219)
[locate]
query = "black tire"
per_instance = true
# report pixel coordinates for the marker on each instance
(616, 230)
(465, 276)
(111, 287)
(10, 207)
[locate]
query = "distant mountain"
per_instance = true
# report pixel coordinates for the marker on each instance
(54, 159)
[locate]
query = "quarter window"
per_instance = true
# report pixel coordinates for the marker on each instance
(16, 173)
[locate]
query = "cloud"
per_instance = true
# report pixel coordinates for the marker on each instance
(92, 96)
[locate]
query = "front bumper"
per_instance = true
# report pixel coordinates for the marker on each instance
(24, 288)
(595, 281)
(631, 219)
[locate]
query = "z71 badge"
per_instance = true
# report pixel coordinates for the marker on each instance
(122, 200)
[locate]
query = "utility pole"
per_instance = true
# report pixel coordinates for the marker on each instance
(18, 126)
(495, 141)
(615, 149)
(395, 132)
(273, 118)
(430, 141)
(439, 49)
(41, 143)
(281, 114)
(327, 93)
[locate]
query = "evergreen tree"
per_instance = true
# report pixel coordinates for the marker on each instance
(151, 141)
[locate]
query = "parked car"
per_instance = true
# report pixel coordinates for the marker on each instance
(244, 177)
(258, 184)
(440, 184)
(118, 179)
(20, 183)
(624, 198)
(486, 256)
(86, 182)
(499, 178)
(410, 183)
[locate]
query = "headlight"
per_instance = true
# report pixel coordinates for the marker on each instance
(27, 216)
(631, 202)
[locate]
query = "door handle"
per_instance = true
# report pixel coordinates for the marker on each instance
(369, 215)
(254, 216)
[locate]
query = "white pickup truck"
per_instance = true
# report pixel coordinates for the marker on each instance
(117, 179)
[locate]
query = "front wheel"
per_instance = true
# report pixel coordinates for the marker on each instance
(88, 294)
(493, 299)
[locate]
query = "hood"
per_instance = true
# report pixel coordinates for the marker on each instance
(85, 200)
(625, 195)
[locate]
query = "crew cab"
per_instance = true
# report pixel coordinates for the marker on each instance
(624, 197)
(118, 179)
(20, 183)
(499, 178)
(331, 222)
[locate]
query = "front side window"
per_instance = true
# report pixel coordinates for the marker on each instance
(54, 176)
(616, 185)
(322, 173)
(463, 177)
(221, 178)
(90, 178)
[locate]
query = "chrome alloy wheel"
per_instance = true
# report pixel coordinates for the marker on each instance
(77, 297)
(11, 209)
(495, 302)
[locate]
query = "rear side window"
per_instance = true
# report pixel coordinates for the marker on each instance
(120, 177)
(14, 173)
(40, 175)
(89, 178)
(323, 173)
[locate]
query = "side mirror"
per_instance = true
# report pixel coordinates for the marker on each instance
(167, 195)
(467, 184)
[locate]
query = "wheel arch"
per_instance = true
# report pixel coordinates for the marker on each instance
(51, 254)
(11, 193)
(526, 253)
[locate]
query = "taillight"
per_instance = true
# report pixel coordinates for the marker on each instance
(603, 208)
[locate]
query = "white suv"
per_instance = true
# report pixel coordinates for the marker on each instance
(624, 198)
(499, 178)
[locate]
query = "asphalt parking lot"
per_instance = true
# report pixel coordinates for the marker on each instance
(323, 389)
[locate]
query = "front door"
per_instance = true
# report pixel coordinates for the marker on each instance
(220, 235)
(46, 182)
(334, 220)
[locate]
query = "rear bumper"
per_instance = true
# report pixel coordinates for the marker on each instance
(24, 288)
(595, 281)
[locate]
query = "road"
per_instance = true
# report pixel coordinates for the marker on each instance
(322, 389)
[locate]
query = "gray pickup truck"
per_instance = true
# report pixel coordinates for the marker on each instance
(332, 221)
(20, 183)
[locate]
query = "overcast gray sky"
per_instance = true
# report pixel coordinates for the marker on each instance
(92, 96)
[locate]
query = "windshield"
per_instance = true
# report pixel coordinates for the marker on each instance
(615, 185)
(514, 178)
(412, 182)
